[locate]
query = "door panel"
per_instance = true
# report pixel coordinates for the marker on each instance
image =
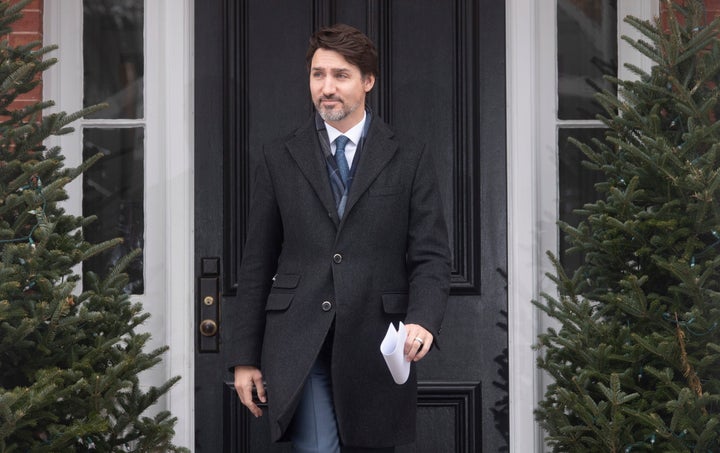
(442, 78)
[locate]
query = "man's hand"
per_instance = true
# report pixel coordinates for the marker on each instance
(245, 378)
(417, 344)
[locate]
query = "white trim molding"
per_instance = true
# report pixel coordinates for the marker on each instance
(522, 130)
(63, 81)
(169, 46)
(642, 9)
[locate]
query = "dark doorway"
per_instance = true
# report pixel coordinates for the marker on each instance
(442, 79)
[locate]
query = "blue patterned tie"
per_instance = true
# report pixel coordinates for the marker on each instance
(340, 158)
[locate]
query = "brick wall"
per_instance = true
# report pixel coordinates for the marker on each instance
(712, 8)
(28, 29)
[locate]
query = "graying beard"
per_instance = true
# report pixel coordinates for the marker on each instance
(332, 115)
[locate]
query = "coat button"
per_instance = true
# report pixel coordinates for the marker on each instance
(337, 258)
(326, 306)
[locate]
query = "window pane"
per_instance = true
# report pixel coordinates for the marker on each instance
(577, 184)
(113, 191)
(113, 56)
(587, 50)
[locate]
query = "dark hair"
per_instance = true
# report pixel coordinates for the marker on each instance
(349, 42)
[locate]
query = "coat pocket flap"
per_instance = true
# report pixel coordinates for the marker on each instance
(278, 301)
(286, 281)
(395, 303)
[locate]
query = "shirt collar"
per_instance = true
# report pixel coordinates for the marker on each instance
(354, 133)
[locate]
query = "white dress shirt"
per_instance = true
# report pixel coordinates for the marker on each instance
(354, 134)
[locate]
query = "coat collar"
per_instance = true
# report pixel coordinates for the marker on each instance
(377, 151)
(305, 150)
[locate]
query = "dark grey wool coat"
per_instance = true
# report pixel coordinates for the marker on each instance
(386, 261)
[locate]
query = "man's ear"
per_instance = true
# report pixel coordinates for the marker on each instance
(368, 82)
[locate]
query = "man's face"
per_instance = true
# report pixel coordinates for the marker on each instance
(338, 89)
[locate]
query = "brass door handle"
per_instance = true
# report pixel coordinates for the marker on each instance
(208, 327)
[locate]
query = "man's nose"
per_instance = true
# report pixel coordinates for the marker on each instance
(328, 87)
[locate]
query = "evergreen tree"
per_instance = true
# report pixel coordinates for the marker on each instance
(69, 358)
(635, 354)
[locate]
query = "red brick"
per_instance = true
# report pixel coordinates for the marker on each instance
(712, 10)
(31, 21)
(21, 103)
(35, 4)
(18, 39)
(27, 29)
(34, 95)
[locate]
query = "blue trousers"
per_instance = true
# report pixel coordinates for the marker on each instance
(314, 426)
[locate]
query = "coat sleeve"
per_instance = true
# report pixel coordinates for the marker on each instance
(428, 254)
(244, 317)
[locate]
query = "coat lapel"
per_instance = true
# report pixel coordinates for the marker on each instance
(375, 155)
(305, 150)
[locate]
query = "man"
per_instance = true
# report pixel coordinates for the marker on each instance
(346, 235)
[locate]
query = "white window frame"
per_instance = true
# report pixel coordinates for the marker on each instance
(168, 205)
(533, 183)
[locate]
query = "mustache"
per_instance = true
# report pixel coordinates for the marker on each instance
(330, 98)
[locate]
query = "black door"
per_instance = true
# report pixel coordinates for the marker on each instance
(443, 79)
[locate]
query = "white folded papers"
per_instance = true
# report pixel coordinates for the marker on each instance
(392, 350)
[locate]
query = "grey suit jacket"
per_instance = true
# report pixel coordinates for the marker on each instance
(305, 270)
